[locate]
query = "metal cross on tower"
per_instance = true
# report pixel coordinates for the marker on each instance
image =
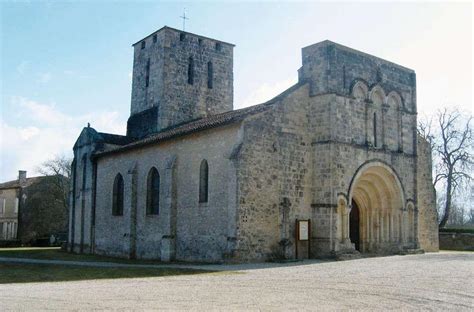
(184, 19)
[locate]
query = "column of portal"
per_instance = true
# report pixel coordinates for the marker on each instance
(391, 228)
(343, 224)
(377, 227)
(400, 227)
(404, 227)
(347, 211)
(367, 228)
(373, 229)
(381, 226)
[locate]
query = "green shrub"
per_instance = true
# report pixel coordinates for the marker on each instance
(457, 230)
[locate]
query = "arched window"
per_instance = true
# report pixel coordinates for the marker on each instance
(191, 71)
(375, 129)
(210, 75)
(117, 202)
(203, 182)
(153, 192)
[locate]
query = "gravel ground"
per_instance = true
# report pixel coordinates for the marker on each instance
(435, 281)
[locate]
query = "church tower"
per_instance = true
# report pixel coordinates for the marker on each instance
(178, 77)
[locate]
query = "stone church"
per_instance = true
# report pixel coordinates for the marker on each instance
(333, 165)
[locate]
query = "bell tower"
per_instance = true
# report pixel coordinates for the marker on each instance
(178, 77)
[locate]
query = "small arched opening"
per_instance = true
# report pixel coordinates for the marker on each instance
(354, 225)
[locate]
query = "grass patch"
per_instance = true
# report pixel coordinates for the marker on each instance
(55, 253)
(30, 273)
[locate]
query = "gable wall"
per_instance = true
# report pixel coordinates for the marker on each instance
(274, 178)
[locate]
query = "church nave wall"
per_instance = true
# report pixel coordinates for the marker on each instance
(184, 229)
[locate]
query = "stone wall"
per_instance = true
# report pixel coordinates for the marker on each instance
(332, 68)
(164, 61)
(427, 214)
(456, 241)
(184, 229)
(274, 171)
(9, 218)
(81, 195)
(298, 157)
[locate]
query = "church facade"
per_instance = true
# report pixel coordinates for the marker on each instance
(333, 165)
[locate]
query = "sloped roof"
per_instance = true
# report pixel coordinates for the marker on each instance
(16, 183)
(212, 121)
(190, 127)
(89, 135)
(115, 138)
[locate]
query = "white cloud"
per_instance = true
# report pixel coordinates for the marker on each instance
(49, 132)
(266, 92)
(42, 113)
(28, 133)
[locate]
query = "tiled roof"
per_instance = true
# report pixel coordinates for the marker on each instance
(192, 126)
(200, 124)
(115, 138)
(16, 183)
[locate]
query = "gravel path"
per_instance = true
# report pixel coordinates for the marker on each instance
(435, 281)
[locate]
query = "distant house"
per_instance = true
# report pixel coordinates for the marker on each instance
(31, 208)
(10, 194)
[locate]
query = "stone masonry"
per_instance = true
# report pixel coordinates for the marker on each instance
(339, 148)
(160, 80)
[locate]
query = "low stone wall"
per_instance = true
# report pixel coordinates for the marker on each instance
(456, 241)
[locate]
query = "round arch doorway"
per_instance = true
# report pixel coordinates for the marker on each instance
(377, 222)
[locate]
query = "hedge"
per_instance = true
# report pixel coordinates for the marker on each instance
(457, 230)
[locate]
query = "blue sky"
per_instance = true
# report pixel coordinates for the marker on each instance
(64, 64)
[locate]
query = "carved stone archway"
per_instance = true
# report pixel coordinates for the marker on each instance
(383, 223)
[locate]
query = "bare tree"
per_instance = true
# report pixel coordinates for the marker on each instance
(58, 167)
(451, 140)
(425, 130)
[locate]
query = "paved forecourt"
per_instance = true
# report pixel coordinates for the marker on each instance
(436, 281)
